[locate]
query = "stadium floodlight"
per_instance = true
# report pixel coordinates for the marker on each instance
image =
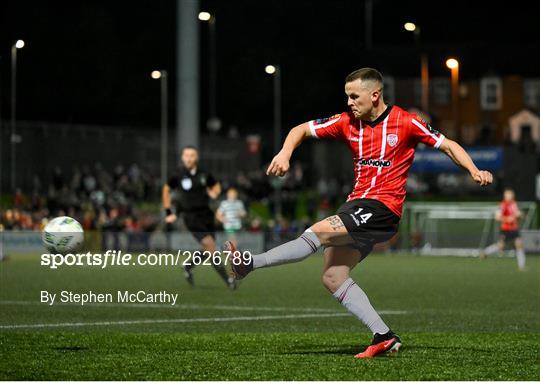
(19, 44)
(270, 69)
(204, 16)
(410, 27)
(156, 74)
(452, 63)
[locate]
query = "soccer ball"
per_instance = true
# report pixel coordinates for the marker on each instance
(62, 235)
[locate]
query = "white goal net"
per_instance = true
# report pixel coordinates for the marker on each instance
(461, 229)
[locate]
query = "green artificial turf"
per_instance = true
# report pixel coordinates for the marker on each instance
(459, 318)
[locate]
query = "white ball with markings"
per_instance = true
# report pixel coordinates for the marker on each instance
(62, 235)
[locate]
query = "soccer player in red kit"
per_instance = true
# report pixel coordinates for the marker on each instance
(508, 214)
(382, 139)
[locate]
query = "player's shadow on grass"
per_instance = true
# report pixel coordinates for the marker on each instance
(70, 348)
(345, 350)
(203, 287)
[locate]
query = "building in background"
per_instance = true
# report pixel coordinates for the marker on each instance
(486, 106)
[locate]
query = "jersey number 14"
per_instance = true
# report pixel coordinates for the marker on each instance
(364, 217)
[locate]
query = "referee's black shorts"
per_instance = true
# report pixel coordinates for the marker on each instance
(200, 223)
(369, 222)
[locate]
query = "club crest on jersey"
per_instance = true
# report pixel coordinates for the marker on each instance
(392, 139)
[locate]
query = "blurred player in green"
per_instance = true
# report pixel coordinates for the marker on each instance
(230, 213)
(508, 214)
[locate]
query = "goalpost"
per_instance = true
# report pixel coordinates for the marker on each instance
(460, 229)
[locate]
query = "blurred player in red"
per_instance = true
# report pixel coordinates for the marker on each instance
(508, 214)
(382, 139)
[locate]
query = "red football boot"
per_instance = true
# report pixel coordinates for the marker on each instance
(240, 266)
(381, 344)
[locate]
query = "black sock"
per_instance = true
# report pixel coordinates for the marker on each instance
(220, 269)
(382, 337)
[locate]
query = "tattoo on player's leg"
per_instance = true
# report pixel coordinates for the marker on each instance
(335, 222)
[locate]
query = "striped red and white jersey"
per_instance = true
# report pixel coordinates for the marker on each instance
(383, 151)
(509, 216)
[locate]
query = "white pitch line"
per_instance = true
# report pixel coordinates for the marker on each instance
(195, 307)
(180, 306)
(175, 320)
(183, 320)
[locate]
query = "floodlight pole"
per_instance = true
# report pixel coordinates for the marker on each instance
(277, 129)
(13, 115)
(277, 109)
(455, 101)
(212, 65)
(187, 75)
(1, 140)
(424, 80)
(164, 79)
(424, 71)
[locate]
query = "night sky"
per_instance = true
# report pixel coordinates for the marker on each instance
(89, 62)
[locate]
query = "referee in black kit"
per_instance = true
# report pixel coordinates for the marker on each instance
(194, 187)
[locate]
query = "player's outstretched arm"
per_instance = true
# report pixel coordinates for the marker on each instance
(166, 199)
(462, 159)
(280, 164)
